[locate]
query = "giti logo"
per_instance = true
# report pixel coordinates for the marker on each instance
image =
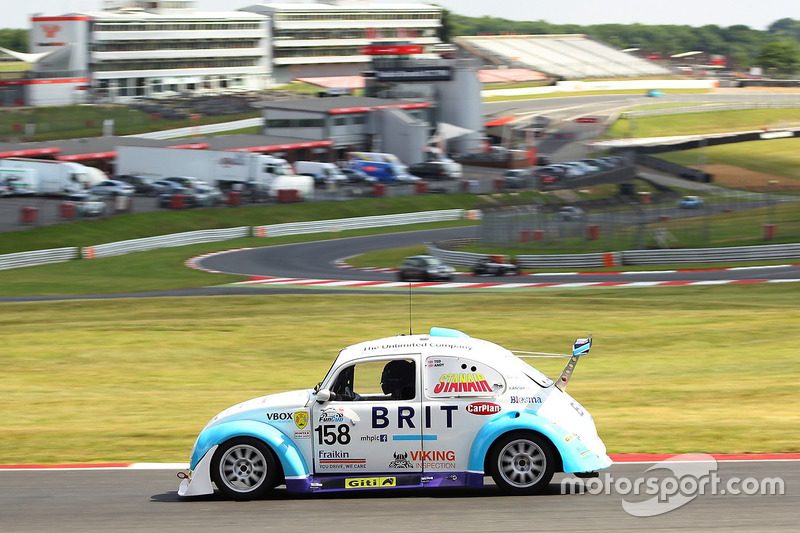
(369, 482)
(301, 419)
(50, 30)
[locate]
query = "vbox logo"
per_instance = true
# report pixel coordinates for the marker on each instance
(50, 30)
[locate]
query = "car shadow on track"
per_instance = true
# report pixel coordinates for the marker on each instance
(280, 494)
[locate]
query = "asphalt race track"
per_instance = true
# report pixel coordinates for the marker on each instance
(146, 500)
(317, 260)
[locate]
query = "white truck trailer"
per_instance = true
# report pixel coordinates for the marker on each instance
(46, 177)
(226, 170)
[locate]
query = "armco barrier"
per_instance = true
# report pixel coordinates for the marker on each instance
(166, 241)
(340, 224)
(711, 255)
(37, 257)
(629, 257)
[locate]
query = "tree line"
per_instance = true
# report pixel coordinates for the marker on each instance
(14, 39)
(777, 48)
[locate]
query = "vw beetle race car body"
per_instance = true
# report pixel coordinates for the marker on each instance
(494, 266)
(436, 410)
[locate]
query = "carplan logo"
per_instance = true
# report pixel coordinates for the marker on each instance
(483, 408)
(672, 483)
(50, 30)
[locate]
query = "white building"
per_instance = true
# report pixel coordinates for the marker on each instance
(150, 48)
(325, 38)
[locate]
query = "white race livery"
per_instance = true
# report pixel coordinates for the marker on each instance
(436, 410)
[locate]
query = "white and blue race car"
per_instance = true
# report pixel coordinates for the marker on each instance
(436, 410)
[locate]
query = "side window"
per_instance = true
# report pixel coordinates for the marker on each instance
(457, 377)
(377, 381)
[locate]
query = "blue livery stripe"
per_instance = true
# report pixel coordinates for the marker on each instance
(415, 437)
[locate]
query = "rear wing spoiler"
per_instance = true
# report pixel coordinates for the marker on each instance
(579, 349)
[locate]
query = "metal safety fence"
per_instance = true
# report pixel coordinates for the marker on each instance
(378, 221)
(163, 241)
(629, 257)
(37, 257)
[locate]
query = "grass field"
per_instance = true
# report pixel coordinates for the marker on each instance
(14, 66)
(67, 122)
(589, 93)
(673, 370)
(772, 158)
(737, 228)
(697, 123)
(162, 222)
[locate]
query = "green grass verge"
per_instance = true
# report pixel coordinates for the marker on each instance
(135, 380)
(137, 225)
(589, 93)
(64, 122)
(778, 157)
(14, 66)
(156, 270)
(740, 228)
(701, 122)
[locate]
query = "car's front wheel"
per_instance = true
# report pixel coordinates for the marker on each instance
(244, 469)
(522, 463)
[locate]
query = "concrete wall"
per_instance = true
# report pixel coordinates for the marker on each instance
(459, 103)
(399, 134)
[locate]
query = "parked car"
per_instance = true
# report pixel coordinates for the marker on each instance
(186, 181)
(324, 173)
(206, 196)
(436, 170)
(356, 176)
(86, 204)
(425, 268)
(583, 167)
(160, 186)
(112, 188)
(165, 197)
(614, 161)
(494, 266)
(691, 202)
(593, 164)
(569, 171)
(571, 213)
(439, 409)
(517, 178)
(140, 185)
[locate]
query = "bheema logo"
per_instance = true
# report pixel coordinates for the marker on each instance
(483, 408)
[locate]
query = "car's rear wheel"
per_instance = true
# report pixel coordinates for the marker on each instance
(522, 463)
(244, 469)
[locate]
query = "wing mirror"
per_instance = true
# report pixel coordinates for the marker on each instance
(324, 395)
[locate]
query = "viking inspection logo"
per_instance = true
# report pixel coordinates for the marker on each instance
(671, 484)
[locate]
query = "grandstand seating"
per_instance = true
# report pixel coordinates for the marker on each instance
(565, 56)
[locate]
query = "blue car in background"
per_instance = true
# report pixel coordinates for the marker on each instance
(691, 202)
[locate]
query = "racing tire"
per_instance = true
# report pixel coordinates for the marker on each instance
(244, 469)
(522, 463)
(401, 276)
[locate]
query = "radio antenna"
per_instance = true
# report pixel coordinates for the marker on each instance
(409, 308)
